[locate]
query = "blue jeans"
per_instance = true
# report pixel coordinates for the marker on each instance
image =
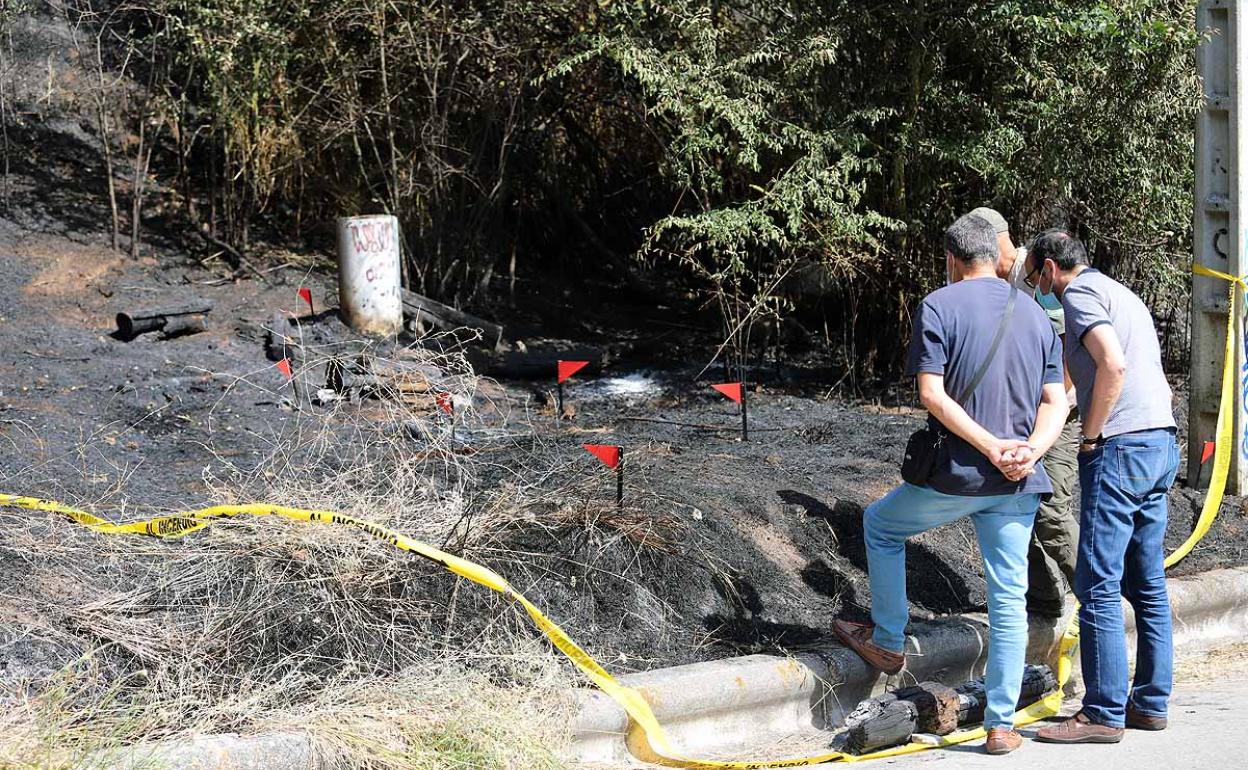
(1122, 521)
(1003, 527)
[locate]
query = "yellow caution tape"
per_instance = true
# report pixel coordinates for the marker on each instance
(1223, 440)
(646, 738)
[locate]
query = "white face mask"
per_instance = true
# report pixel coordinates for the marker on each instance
(1018, 272)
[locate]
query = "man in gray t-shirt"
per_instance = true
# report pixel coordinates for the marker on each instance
(1091, 299)
(1128, 457)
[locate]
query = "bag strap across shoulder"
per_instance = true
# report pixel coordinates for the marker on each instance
(992, 351)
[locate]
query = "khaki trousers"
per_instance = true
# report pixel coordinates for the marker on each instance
(1052, 554)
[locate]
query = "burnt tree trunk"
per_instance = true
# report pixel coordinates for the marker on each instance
(1037, 682)
(890, 723)
(930, 707)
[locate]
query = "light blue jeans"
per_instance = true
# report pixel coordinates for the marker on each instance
(1003, 527)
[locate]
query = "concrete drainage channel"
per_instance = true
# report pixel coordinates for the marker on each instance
(757, 696)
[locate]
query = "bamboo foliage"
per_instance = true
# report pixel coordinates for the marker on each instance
(782, 156)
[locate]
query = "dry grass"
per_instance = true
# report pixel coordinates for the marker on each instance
(460, 720)
(1218, 664)
(660, 532)
(439, 714)
(260, 625)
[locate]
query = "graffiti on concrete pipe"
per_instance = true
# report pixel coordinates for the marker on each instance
(373, 237)
(369, 273)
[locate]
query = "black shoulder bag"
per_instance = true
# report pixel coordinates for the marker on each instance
(928, 447)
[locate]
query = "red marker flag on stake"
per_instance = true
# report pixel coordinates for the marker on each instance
(609, 454)
(306, 294)
(1207, 452)
(730, 389)
(569, 368)
(446, 403)
(283, 366)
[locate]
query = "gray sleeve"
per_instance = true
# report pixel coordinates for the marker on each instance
(1085, 308)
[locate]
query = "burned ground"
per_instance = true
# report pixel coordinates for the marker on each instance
(722, 546)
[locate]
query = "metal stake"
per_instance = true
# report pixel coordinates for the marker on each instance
(619, 482)
(745, 424)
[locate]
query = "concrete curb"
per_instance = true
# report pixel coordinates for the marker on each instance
(701, 703)
(273, 751)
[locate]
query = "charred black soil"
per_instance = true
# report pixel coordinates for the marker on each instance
(722, 546)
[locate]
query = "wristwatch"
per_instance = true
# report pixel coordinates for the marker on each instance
(1088, 444)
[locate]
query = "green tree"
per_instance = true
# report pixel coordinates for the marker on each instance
(791, 157)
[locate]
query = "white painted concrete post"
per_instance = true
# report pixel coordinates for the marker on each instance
(1219, 229)
(369, 274)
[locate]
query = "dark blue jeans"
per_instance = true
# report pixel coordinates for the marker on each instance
(1122, 532)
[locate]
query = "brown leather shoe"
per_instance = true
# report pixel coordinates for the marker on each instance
(1002, 740)
(1138, 721)
(1079, 729)
(857, 637)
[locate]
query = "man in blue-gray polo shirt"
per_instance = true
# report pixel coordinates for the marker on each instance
(991, 472)
(1128, 457)
(1055, 536)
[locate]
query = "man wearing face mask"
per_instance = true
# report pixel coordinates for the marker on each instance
(1051, 555)
(1128, 457)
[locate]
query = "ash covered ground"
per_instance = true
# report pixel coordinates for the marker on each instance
(723, 547)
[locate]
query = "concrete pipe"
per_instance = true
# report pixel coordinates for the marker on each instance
(369, 274)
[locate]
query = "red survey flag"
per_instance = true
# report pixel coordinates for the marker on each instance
(445, 402)
(1207, 452)
(730, 389)
(608, 453)
(283, 366)
(569, 368)
(306, 294)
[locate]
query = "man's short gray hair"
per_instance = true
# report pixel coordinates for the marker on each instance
(972, 239)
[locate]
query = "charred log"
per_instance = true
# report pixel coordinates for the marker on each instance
(169, 321)
(447, 318)
(930, 707)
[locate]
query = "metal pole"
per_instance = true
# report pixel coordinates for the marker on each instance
(745, 423)
(1218, 230)
(619, 482)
